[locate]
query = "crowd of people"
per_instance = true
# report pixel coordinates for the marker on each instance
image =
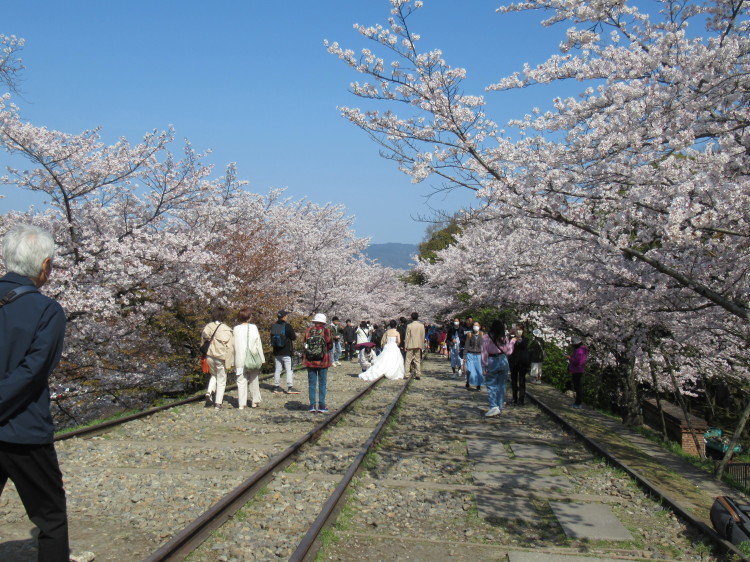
(36, 324)
(482, 356)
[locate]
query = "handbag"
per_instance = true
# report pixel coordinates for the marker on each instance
(252, 358)
(204, 365)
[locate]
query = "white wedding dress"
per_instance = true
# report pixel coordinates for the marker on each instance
(389, 364)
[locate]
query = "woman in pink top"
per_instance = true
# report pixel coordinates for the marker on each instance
(495, 350)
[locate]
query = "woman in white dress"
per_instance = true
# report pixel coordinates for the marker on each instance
(390, 362)
(246, 336)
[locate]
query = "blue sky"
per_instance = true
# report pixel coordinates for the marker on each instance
(252, 81)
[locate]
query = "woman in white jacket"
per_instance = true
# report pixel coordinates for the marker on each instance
(246, 336)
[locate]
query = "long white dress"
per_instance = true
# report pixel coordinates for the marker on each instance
(389, 364)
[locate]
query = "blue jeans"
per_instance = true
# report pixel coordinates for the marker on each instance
(336, 350)
(317, 378)
(497, 378)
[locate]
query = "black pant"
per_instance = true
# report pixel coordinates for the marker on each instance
(578, 387)
(348, 350)
(518, 372)
(36, 474)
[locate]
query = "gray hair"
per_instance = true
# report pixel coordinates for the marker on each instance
(25, 247)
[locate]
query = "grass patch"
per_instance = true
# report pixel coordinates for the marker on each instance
(97, 421)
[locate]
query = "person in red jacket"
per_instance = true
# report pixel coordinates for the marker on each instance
(317, 346)
(576, 365)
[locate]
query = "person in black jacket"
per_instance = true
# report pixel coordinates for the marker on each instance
(350, 338)
(33, 328)
(520, 363)
(282, 336)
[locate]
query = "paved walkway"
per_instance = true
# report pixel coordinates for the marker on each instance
(683, 483)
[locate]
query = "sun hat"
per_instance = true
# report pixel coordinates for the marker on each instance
(320, 317)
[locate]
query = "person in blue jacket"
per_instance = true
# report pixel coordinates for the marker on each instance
(32, 328)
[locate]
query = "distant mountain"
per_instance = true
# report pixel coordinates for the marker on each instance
(393, 254)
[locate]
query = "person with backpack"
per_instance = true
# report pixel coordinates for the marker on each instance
(536, 354)
(33, 326)
(218, 343)
(282, 336)
(317, 345)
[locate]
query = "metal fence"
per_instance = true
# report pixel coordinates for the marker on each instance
(741, 472)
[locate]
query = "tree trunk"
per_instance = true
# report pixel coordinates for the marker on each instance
(733, 443)
(632, 415)
(685, 413)
(658, 405)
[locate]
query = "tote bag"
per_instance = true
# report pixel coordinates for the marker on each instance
(252, 358)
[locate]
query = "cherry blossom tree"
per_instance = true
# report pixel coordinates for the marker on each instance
(648, 165)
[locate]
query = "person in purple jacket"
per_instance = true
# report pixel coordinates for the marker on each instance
(576, 365)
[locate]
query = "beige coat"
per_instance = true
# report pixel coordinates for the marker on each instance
(414, 335)
(222, 346)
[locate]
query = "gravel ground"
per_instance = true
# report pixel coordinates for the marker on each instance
(418, 500)
(131, 489)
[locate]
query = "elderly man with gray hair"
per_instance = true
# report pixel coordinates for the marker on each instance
(32, 327)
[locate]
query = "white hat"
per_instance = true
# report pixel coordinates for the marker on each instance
(320, 317)
(537, 333)
(575, 340)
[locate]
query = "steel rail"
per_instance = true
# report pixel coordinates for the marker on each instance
(187, 540)
(104, 426)
(305, 550)
(642, 481)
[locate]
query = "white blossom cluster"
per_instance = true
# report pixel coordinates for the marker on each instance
(623, 213)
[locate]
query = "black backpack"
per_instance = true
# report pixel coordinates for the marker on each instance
(278, 335)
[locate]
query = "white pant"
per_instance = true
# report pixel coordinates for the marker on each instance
(243, 382)
(218, 381)
(286, 362)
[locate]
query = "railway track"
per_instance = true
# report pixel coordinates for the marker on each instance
(444, 482)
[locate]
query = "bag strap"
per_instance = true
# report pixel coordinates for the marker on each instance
(216, 330)
(10, 296)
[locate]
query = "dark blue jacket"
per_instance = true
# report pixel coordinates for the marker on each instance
(32, 329)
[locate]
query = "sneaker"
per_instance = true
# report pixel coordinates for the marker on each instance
(492, 412)
(312, 409)
(292, 390)
(277, 390)
(576, 406)
(209, 400)
(218, 406)
(323, 409)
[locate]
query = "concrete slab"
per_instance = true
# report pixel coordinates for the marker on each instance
(514, 556)
(501, 506)
(486, 449)
(534, 451)
(593, 521)
(528, 482)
